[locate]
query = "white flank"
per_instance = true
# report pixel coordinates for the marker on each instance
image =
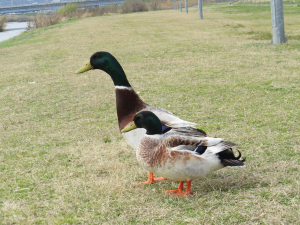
(212, 141)
(212, 150)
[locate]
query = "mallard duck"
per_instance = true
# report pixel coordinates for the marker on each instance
(129, 103)
(175, 156)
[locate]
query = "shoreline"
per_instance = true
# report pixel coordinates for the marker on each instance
(12, 29)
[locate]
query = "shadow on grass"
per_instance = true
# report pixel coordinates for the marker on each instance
(224, 185)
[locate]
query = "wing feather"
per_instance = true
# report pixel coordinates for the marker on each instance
(167, 118)
(178, 142)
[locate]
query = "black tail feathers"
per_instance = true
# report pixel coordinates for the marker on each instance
(229, 159)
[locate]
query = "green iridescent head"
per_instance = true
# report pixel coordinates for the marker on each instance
(106, 62)
(147, 120)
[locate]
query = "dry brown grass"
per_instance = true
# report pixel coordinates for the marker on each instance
(63, 160)
(133, 6)
(3, 20)
(43, 20)
(19, 18)
(63, 14)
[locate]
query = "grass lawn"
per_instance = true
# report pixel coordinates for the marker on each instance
(63, 160)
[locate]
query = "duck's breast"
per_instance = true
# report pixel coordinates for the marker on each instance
(134, 137)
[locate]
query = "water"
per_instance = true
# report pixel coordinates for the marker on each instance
(12, 29)
(55, 6)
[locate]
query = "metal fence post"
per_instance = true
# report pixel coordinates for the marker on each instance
(180, 6)
(277, 22)
(200, 9)
(186, 6)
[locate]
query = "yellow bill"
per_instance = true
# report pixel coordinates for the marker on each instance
(130, 127)
(85, 68)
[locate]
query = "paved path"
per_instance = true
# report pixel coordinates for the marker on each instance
(12, 29)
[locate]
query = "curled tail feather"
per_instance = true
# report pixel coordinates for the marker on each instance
(229, 159)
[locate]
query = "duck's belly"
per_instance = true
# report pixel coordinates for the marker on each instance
(182, 175)
(134, 137)
(185, 172)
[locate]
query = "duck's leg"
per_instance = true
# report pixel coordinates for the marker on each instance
(179, 190)
(188, 190)
(151, 179)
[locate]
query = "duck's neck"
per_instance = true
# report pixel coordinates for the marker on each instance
(128, 104)
(117, 74)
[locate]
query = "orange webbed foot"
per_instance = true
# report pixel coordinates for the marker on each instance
(146, 182)
(179, 191)
(159, 178)
(175, 192)
(183, 193)
(151, 179)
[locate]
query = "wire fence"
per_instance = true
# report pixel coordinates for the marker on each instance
(195, 2)
(179, 4)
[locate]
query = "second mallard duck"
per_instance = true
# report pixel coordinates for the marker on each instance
(176, 156)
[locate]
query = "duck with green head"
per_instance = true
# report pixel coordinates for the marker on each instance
(175, 155)
(129, 103)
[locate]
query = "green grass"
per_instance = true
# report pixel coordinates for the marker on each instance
(63, 160)
(32, 36)
(3, 20)
(267, 2)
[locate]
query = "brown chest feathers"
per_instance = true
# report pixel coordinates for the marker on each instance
(128, 104)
